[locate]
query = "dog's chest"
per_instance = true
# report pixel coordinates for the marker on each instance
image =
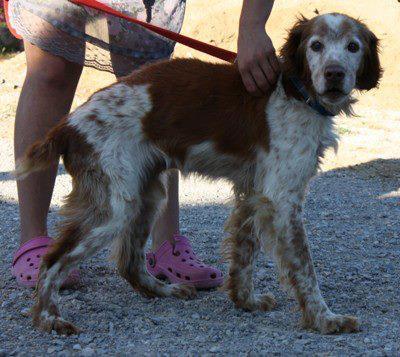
(298, 137)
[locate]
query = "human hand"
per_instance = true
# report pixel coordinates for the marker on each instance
(256, 60)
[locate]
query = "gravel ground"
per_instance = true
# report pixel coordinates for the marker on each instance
(353, 224)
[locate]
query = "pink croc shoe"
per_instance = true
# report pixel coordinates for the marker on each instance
(178, 264)
(26, 262)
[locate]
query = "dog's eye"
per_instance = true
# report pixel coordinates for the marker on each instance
(353, 47)
(317, 46)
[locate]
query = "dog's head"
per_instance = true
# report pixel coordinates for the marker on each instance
(332, 54)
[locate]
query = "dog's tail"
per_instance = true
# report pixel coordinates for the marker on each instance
(43, 153)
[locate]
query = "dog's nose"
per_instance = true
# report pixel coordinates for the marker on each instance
(334, 73)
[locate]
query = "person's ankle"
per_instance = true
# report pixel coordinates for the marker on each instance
(28, 235)
(158, 241)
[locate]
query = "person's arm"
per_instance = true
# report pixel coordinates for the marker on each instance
(256, 57)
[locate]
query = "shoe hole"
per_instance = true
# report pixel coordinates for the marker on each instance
(151, 262)
(28, 277)
(37, 268)
(21, 275)
(183, 260)
(28, 260)
(187, 251)
(161, 277)
(187, 277)
(191, 265)
(213, 276)
(38, 256)
(177, 253)
(201, 266)
(31, 264)
(190, 258)
(170, 270)
(178, 275)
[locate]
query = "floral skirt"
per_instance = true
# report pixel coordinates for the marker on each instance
(92, 38)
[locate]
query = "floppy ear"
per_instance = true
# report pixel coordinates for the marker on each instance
(292, 54)
(370, 70)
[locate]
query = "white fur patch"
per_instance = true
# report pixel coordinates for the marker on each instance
(297, 133)
(333, 21)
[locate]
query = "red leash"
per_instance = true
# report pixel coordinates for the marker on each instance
(5, 5)
(184, 40)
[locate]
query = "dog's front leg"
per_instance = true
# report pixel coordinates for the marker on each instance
(297, 272)
(241, 247)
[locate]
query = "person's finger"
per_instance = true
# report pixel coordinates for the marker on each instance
(273, 60)
(260, 78)
(269, 72)
(249, 83)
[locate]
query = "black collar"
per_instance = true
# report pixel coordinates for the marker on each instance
(301, 89)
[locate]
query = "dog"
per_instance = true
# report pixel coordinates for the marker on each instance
(197, 117)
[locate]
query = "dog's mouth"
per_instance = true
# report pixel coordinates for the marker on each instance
(334, 94)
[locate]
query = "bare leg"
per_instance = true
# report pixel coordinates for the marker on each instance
(297, 272)
(241, 248)
(167, 223)
(46, 97)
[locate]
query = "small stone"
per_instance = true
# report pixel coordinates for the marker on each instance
(13, 295)
(214, 349)
(51, 349)
(195, 316)
(367, 340)
(389, 347)
(298, 348)
(5, 303)
(77, 347)
(87, 351)
(85, 339)
(155, 320)
(200, 339)
(25, 312)
(111, 328)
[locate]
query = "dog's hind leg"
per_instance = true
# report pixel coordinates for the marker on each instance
(241, 247)
(94, 216)
(130, 248)
(72, 247)
(297, 272)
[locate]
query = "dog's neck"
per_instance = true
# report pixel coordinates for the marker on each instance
(292, 92)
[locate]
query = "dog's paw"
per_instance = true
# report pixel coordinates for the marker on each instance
(183, 291)
(332, 323)
(262, 303)
(48, 323)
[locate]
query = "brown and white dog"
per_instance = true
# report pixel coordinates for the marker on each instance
(198, 117)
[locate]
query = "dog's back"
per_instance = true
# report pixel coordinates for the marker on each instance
(195, 102)
(158, 117)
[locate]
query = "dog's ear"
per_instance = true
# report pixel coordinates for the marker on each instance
(370, 70)
(292, 53)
